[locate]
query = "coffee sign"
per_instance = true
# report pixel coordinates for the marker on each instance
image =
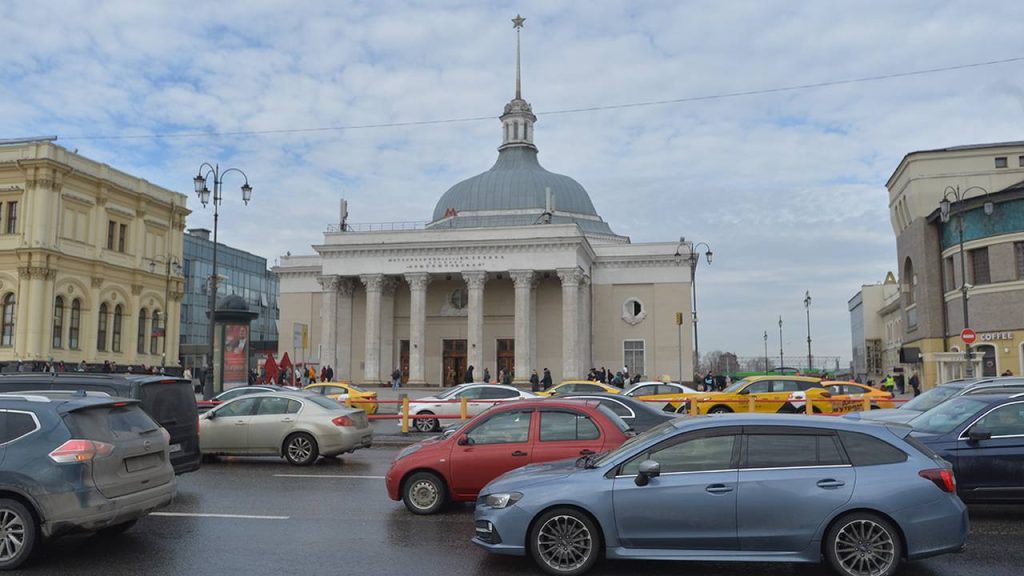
(993, 336)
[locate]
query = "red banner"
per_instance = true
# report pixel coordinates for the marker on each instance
(236, 350)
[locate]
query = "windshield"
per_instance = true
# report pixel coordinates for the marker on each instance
(736, 387)
(931, 398)
(355, 388)
(945, 418)
(450, 392)
(664, 429)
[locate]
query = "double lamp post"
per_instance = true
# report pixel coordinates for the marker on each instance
(692, 256)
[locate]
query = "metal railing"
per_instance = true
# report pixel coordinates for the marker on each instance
(378, 226)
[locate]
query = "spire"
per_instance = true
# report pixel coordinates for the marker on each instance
(517, 121)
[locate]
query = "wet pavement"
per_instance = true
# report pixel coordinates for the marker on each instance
(261, 516)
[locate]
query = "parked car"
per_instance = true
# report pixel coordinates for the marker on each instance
(937, 395)
(982, 435)
(205, 405)
(479, 397)
(639, 416)
(667, 395)
(783, 394)
(857, 392)
(76, 463)
(751, 487)
(579, 386)
(427, 475)
(168, 400)
(342, 391)
(299, 427)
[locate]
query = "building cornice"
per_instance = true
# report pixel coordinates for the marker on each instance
(497, 246)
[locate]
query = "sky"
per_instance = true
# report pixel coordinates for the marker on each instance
(787, 187)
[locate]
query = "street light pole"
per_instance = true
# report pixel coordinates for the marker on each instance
(693, 257)
(807, 305)
(167, 304)
(945, 205)
(765, 351)
(782, 361)
(204, 197)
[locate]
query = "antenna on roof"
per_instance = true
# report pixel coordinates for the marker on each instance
(343, 222)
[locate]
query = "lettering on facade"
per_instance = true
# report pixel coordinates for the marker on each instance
(455, 263)
(992, 336)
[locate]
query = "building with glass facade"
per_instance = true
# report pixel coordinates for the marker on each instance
(241, 273)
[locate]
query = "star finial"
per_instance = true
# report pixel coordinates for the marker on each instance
(517, 22)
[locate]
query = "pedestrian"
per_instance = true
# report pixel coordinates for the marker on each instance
(396, 379)
(487, 376)
(469, 375)
(618, 380)
(81, 366)
(534, 381)
(604, 375)
(890, 384)
(546, 380)
(507, 380)
(709, 382)
(915, 384)
(450, 378)
(187, 374)
(106, 367)
(323, 373)
(330, 373)
(501, 376)
(1007, 373)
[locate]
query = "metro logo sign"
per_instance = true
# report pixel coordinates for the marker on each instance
(968, 336)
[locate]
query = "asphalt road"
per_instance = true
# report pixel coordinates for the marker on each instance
(266, 517)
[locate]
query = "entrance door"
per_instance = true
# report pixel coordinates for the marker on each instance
(453, 362)
(988, 359)
(403, 360)
(506, 355)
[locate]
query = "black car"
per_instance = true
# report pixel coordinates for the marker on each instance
(982, 435)
(637, 414)
(76, 462)
(168, 400)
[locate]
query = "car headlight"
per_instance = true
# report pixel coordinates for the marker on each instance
(502, 499)
(408, 450)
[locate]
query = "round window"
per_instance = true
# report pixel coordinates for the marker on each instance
(458, 298)
(633, 311)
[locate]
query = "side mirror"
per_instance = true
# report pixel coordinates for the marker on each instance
(210, 415)
(464, 441)
(978, 435)
(648, 469)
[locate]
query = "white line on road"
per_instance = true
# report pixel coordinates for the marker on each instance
(234, 516)
(347, 476)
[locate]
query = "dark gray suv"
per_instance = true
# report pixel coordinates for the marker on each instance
(72, 462)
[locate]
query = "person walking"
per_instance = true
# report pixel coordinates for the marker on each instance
(915, 384)
(469, 375)
(396, 379)
(890, 384)
(449, 379)
(487, 376)
(709, 382)
(330, 373)
(546, 380)
(618, 380)
(534, 381)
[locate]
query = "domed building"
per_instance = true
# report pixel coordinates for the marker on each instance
(515, 271)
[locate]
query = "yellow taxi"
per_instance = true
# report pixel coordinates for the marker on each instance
(341, 391)
(854, 394)
(579, 387)
(782, 393)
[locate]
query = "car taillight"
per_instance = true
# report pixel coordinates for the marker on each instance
(942, 477)
(343, 421)
(80, 451)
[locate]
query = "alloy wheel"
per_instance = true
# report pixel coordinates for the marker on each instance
(12, 534)
(425, 424)
(300, 448)
(564, 543)
(864, 548)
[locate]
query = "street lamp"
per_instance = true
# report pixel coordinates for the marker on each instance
(169, 261)
(957, 205)
(782, 362)
(807, 305)
(765, 351)
(204, 197)
(693, 257)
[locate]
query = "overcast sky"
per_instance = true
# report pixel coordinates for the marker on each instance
(788, 188)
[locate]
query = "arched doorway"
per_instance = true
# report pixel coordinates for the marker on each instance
(988, 360)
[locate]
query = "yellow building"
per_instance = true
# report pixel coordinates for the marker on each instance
(89, 260)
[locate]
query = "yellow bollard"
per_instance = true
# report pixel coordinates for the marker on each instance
(463, 408)
(348, 401)
(809, 407)
(751, 407)
(405, 414)
(867, 404)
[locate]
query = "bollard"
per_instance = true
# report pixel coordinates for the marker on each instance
(750, 404)
(463, 405)
(809, 407)
(405, 414)
(867, 404)
(348, 401)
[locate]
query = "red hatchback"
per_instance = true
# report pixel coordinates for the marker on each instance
(429, 473)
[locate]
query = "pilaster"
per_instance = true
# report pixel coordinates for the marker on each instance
(374, 284)
(570, 278)
(523, 282)
(418, 282)
(475, 281)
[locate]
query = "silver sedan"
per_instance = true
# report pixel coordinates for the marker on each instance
(479, 397)
(299, 427)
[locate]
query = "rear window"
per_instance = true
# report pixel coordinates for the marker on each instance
(865, 450)
(922, 447)
(169, 402)
(109, 423)
(622, 426)
(325, 402)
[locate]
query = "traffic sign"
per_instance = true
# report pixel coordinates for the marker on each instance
(968, 336)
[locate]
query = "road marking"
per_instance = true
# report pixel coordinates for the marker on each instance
(346, 476)
(234, 516)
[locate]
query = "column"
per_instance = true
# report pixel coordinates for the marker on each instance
(21, 314)
(523, 282)
(475, 281)
(328, 323)
(387, 327)
(585, 347)
(371, 361)
(130, 327)
(37, 318)
(570, 278)
(343, 345)
(418, 282)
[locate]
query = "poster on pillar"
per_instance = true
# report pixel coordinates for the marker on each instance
(236, 351)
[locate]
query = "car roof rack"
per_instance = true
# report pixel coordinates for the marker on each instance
(26, 397)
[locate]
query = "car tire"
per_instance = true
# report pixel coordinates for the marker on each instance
(803, 410)
(862, 544)
(425, 424)
(424, 493)
(720, 410)
(300, 449)
(558, 557)
(21, 525)
(116, 529)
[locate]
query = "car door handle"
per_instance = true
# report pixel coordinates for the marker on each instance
(240, 423)
(287, 420)
(519, 453)
(718, 489)
(586, 452)
(831, 483)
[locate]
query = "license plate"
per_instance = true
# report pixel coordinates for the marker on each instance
(175, 448)
(141, 462)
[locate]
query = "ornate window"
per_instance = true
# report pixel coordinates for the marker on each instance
(76, 323)
(115, 339)
(156, 332)
(140, 344)
(633, 311)
(101, 328)
(459, 298)
(7, 330)
(58, 322)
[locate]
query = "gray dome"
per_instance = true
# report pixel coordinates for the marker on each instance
(516, 185)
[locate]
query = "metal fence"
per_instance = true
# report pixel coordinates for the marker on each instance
(378, 226)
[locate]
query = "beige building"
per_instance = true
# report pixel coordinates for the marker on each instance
(87, 260)
(988, 180)
(872, 335)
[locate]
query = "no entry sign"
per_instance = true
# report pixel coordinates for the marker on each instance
(968, 336)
